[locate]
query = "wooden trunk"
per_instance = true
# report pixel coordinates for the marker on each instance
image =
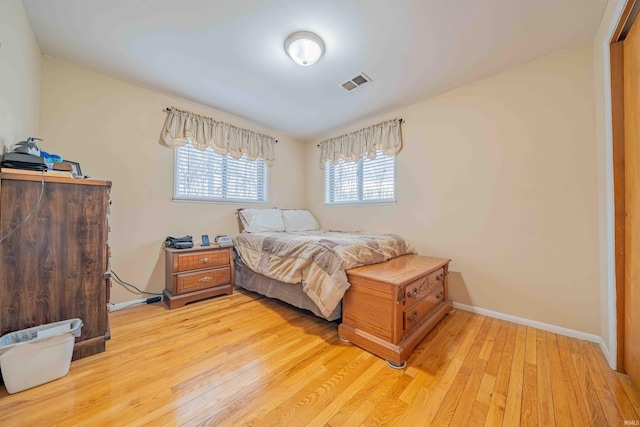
(54, 256)
(390, 307)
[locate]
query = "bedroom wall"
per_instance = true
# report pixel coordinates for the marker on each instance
(19, 75)
(500, 176)
(113, 129)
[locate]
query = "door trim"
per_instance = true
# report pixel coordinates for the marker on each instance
(616, 59)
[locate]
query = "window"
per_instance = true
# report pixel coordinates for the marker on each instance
(364, 181)
(205, 175)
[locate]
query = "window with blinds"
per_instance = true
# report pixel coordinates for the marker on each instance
(364, 181)
(207, 176)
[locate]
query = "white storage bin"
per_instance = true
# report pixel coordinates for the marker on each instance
(35, 356)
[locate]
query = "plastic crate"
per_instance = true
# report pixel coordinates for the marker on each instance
(35, 356)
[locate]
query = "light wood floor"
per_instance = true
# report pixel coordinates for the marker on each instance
(243, 359)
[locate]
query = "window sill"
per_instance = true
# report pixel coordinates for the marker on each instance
(352, 204)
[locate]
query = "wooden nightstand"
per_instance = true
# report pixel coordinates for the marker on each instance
(390, 307)
(197, 273)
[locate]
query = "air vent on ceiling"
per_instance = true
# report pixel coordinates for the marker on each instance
(355, 82)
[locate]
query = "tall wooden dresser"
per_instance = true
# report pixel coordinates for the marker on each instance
(54, 256)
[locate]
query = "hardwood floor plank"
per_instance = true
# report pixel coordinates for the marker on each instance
(546, 411)
(435, 390)
(373, 400)
(529, 410)
(424, 403)
(607, 401)
(483, 401)
(630, 391)
(504, 369)
(389, 407)
(513, 404)
(469, 395)
(497, 348)
(599, 367)
(343, 398)
(590, 394)
(478, 364)
(578, 403)
(450, 403)
(490, 340)
(359, 405)
(559, 384)
(495, 415)
(247, 360)
(429, 364)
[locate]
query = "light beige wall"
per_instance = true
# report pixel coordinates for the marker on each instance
(113, 129)
(500, 176)
(19, 75)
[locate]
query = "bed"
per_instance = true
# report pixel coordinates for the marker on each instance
(283, 254)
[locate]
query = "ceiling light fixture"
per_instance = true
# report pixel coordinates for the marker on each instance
(304, 48)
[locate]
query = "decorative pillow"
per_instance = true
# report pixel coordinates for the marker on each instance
(299, 220)
(255, 220)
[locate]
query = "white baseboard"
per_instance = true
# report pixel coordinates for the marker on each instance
(539, 325)
(125, 304)
(611, 360)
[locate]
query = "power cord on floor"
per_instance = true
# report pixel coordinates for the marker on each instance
(125, 284)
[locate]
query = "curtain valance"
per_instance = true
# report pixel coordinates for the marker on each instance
(183, 126)
(385, 136)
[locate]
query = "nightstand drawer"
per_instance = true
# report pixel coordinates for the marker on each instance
(425, 285)
(200, 260)
(414, 314)
(189, 282)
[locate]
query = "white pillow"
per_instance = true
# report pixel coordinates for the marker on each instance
(256, 220)
(299, 220)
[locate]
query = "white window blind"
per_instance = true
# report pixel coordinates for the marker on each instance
(364, 181)
(205, 175)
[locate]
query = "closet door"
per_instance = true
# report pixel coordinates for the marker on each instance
(631, 55)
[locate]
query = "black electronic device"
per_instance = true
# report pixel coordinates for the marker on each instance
(205, 240)
(185, 242)
(23, 161)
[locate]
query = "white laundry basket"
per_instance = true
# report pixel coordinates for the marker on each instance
(35, 356)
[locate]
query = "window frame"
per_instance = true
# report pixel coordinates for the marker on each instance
(192, 199)
(360, 184)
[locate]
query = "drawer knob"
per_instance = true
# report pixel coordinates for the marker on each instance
(413, 293)
(439, 277)
(205, 259)
(413, 317)
(440, 295)
(206, 279)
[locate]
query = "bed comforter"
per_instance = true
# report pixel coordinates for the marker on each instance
(317, 259)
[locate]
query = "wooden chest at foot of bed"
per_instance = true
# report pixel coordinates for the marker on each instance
(390, 307)
(197, 273)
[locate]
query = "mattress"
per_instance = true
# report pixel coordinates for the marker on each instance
(317, 259)
(291, 294)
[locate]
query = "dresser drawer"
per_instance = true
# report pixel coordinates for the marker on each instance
(414, 314)
(200, 260)
(189, 282)
(425, 285)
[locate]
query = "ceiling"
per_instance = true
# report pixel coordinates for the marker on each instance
(229, 55)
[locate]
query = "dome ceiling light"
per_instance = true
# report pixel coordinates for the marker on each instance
(304, 48)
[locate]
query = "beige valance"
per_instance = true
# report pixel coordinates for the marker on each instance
(183, 126)
(385, 136)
